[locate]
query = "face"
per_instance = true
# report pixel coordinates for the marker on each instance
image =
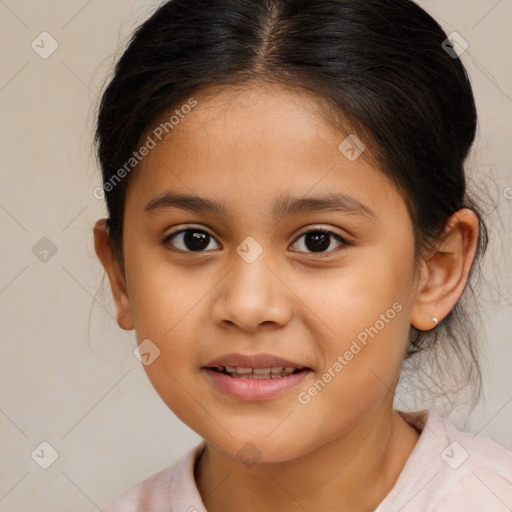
(308, 265)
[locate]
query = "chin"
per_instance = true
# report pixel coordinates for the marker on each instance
(260, 447)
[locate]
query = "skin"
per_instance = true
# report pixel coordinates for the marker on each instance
(248, 146)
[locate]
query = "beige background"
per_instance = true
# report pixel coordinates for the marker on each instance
(67, 372)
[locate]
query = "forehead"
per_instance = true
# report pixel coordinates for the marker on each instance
(257, 141)
(253, 115)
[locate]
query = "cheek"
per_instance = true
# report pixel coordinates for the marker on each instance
(367, 312)
(176, 369)
(162, 295)
(355, 297)
(166, 303)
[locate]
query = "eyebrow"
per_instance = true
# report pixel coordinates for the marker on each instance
(283, 207)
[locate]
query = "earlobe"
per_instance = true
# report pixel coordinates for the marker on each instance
(445, 274)
(112, 266)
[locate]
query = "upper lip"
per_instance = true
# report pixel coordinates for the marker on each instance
(253, 361)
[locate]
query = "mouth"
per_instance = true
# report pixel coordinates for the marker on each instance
(255, 377)
(239, 372)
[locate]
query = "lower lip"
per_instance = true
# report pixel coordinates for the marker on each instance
(254, 389)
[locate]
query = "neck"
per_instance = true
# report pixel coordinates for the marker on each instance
(354, 471)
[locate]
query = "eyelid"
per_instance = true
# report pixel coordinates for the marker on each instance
(186, 227)
(306, 230)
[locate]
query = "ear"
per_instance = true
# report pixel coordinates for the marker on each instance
(112, 266)
(445, 274)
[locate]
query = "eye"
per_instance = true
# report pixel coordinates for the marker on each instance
(319, 240)
(189, 240)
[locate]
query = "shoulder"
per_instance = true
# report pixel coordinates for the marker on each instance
(451, 470)
(481, 453)
(150, 494)
(161, 491)
(480, 469)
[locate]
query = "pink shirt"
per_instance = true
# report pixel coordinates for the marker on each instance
(448, 471)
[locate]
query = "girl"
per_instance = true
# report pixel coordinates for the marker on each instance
(288, 223)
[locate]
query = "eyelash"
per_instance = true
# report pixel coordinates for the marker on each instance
(167, 240)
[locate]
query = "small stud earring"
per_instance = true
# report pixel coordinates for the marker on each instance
(435, 320)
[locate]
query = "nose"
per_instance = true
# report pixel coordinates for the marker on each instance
(252, 296)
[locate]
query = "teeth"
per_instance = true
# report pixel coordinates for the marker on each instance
(243, 370)
(257, 373)
(262, 371)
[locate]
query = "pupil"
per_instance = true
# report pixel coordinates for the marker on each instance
(319, 241)
(196, 240)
